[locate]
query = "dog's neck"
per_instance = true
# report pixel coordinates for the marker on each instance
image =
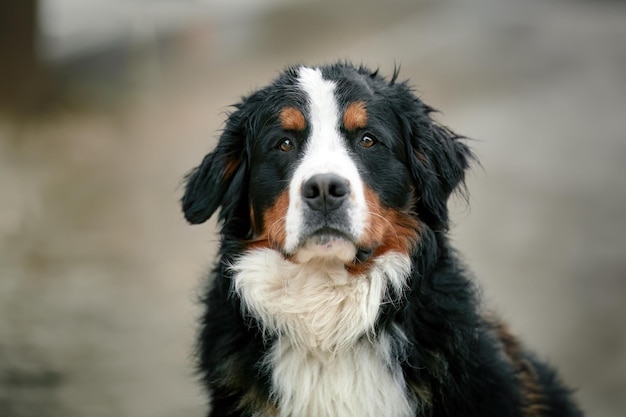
(318, 305)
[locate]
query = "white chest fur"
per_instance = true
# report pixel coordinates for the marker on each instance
(327, 361)
(359, 382)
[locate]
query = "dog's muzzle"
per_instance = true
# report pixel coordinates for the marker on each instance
(327, 228)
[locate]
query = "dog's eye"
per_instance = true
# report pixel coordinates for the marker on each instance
(286, 145)
(367, 141)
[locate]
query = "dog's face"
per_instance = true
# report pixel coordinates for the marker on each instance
(323, 172)
(332, 163)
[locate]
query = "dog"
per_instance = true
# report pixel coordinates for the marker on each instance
(337, 293)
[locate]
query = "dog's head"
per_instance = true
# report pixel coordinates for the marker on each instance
(329, 162)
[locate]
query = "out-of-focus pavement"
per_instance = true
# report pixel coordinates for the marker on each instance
(99, 273)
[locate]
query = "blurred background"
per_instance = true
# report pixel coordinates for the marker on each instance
(106, 104)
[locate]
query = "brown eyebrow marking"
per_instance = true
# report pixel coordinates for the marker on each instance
(292, 119)
(355, 116)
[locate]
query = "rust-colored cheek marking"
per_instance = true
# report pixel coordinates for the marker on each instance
(389, 230)
(273, 232)
(355, 116)
(292, 119)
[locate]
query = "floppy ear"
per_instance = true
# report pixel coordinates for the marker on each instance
(438, 161)
(436, 156)
(219, 180)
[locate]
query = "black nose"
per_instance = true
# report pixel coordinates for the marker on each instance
(325, 192)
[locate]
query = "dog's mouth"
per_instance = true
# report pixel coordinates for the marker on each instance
(326, 235)
(330, 243)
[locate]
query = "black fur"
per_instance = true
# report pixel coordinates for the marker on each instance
(463, 362)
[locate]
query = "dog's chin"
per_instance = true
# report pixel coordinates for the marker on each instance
(326, 247)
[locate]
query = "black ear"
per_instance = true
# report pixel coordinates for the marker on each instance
(219, 179)
(437, 159)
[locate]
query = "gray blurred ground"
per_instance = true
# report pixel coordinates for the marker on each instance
(99, 273)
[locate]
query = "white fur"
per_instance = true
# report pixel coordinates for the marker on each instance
(363, 381)
(338, 248)
(325, 153)
(327, 360)
(318, 304)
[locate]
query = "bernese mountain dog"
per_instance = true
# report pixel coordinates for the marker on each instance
(337, 293)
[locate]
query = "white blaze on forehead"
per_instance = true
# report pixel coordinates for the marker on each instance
(323, 109)
(325, 153)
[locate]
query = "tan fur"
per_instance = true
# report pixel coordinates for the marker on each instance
(535, 404)
(387, 231)
(355, 116)
(292, 119)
